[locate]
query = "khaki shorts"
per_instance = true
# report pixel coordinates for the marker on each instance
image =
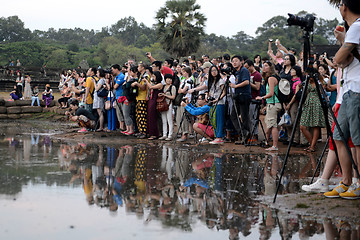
(272, 111)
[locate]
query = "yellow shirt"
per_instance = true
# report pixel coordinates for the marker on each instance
(90, 84)
(142, 93)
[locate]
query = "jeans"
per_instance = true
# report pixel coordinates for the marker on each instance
(33, 98)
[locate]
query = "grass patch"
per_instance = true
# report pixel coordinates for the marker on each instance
(301, 205)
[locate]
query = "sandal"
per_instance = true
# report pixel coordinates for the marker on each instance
(311, 150)
(272, 148)
(152, 138)
(306, 149)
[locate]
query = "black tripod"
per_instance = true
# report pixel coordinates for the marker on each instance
(185, 115)
(257, 121)
(324, 104)
(229, 90)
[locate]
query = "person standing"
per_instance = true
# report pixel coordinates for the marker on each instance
(255, 82)
(99, 102)
(27, 89)
(89, 88)
(242, 98)
(348, 118)
(141, 103)
(119, 81)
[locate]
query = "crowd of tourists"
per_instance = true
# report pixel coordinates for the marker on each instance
(220, 99)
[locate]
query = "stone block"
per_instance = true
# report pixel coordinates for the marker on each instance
(3, 116)
(13, 116)
(2, 102)
(3, 109)
(14, 110)
(25, 115)
(31, 109)
(23, 102)
(10, 103)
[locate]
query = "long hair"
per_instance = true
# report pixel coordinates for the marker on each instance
(213, 80)
(271, 72)
(158, 77)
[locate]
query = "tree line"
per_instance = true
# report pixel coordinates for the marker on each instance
(66, 48)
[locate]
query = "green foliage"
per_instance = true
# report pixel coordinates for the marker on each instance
(179, 29)
(12, 30)
(180, 26)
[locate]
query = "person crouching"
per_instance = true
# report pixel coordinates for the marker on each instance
(83, 117)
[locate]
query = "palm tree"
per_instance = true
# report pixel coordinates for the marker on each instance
(334, 2)
(179, 26)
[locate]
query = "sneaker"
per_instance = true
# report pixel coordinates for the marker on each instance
(352, 193)
(83, 130)
(162, 138)
(181, 139)
(217, 141)
(321, 185)
(272, 148)
(168, 139)
(341, 188)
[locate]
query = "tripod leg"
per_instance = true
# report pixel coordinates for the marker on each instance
(320, 158)
(180, 126)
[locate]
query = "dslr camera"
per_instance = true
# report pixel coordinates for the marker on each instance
(306, 23)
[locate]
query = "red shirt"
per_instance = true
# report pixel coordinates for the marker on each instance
(166, 70)
(256, 77)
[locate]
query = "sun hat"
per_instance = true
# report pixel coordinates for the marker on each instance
(284, 86)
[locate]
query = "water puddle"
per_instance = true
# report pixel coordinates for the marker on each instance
(52, 189)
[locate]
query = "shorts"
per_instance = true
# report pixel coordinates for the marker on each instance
(209, 131)
(271, 117)
(349, 118)
(336, 112)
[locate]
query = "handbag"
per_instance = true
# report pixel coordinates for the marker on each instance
(161, 104)
(102, 93)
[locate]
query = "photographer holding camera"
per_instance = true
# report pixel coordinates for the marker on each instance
(216, 92)
(241, 99)
(202, 126)
(185, 85)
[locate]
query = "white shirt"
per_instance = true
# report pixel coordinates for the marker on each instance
(352, 72)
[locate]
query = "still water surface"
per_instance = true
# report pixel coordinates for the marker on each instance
(57, 190)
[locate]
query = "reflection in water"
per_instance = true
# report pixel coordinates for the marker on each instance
(178, 188)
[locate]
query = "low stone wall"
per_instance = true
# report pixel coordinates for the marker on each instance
(22, 109)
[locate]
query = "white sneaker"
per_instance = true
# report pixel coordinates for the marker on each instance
(202, 139)
(321, 185)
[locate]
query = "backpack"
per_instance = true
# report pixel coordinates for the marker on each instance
(282, 96)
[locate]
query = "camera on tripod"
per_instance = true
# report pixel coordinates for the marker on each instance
(210, 99)
(306, 23)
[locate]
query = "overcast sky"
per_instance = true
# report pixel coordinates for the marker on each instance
(224, 17)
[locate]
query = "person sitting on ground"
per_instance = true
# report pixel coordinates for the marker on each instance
(47, 95)
(66, 95)
(83, 117)
(35, 96)
(15, 94)
(202, 126)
